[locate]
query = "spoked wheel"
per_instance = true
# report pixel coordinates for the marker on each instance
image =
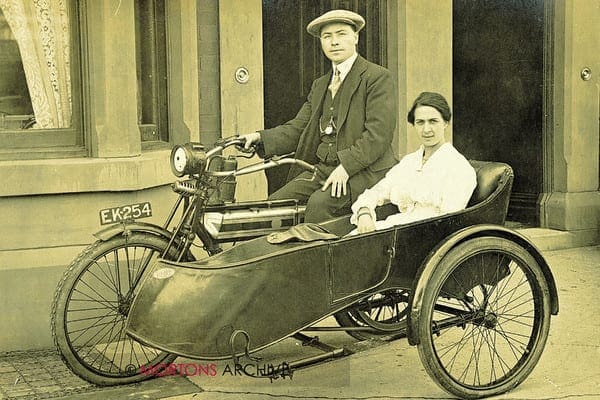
(385, 312)
(91, 305)
(485, 318)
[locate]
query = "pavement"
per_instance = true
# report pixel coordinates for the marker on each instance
(569, 367)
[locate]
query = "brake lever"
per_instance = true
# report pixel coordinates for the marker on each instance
(246, 153)
(277, 158)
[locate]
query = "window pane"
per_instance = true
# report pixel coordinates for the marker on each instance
(35, 65)
(151, 69)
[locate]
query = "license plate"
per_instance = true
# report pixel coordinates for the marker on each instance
(125, 213)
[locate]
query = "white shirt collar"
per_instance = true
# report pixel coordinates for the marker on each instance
(444, 148)
(345, 66)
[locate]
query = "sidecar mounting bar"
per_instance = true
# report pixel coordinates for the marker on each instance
(314, 341)
(340, 328)
(287, 369)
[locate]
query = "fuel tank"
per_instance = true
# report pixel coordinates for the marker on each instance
(267, 291)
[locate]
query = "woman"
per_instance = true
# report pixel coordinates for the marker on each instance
(434, 180)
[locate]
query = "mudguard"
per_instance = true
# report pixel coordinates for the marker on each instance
(431, 262)
(135, 226)
(266, 291)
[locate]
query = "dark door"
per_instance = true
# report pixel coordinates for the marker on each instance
(293, 59)
(498, 91)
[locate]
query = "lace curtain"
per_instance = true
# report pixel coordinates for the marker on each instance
(41, 29)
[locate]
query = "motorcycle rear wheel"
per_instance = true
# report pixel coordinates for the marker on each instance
(90, 308)
(383, 312)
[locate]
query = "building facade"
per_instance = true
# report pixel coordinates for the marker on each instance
(90, 109)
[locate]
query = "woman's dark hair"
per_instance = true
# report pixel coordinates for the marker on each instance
(430, 99)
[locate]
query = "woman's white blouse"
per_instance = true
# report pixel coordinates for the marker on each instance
(442, 185)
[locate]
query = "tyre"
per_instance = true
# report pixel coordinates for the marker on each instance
(383, 312)
(485, 318)
(91, 305)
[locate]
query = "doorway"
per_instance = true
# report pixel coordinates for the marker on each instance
(498, 91)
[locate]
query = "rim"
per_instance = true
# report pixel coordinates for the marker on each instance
(97, 308)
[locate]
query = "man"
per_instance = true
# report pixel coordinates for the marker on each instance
(345, 127)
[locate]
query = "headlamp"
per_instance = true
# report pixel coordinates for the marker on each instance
(187, 159)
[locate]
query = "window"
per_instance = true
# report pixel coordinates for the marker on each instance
(39, 82)
(151, 70)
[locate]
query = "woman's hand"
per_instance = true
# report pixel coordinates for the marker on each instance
(364, 222)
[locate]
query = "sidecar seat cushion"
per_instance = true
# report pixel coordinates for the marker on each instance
(489, 176)
(306, 232)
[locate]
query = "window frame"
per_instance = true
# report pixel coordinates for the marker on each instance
(63, 142)
(156, 132)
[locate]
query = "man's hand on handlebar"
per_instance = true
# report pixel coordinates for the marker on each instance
(250, 140)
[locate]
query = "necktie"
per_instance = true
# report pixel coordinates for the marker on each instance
(335, 83)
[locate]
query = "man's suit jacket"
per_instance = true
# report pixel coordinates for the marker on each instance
(366, 122)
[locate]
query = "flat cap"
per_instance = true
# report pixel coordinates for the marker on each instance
(343, 16)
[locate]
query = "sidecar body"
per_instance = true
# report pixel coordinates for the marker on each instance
(271, 291)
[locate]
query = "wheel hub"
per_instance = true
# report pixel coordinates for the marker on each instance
(487, 319)
(124, 305)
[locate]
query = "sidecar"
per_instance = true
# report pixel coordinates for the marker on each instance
(472, 295)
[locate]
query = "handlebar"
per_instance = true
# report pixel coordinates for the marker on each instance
(275, 161)
(270, 163)
(222, 144)
(192, 159)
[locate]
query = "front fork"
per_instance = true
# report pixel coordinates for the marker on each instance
(191, 225)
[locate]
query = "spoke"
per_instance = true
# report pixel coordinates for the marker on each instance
(89, 309)
(145, 355)
(509, 338)
(512, 293)
(122, 340)
(491, 341)
(101, 353)
(117, 272)
(95, 325)
(140, 269)
(397, 312)
(92, 347)
(107, 270)
(515, 318)
(113, 289)
(129, 266)
(109, 325)
(145, 260)
(467, 334)
(132, 354)
(91, 318)
(459, 346)
(472, 356)
(515, 306)
(93, 290)
(379, 309)
(91, 299)
(501, 361)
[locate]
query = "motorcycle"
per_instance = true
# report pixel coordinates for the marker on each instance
(474, 296)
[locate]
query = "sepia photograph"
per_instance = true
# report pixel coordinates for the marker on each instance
(299, 199)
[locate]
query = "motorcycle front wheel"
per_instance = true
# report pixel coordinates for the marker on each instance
(90, 308)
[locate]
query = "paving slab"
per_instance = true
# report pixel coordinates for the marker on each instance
(41, 374)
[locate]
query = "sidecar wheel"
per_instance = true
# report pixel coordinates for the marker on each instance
(384, 312)
(485, 318)
(90, 308)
